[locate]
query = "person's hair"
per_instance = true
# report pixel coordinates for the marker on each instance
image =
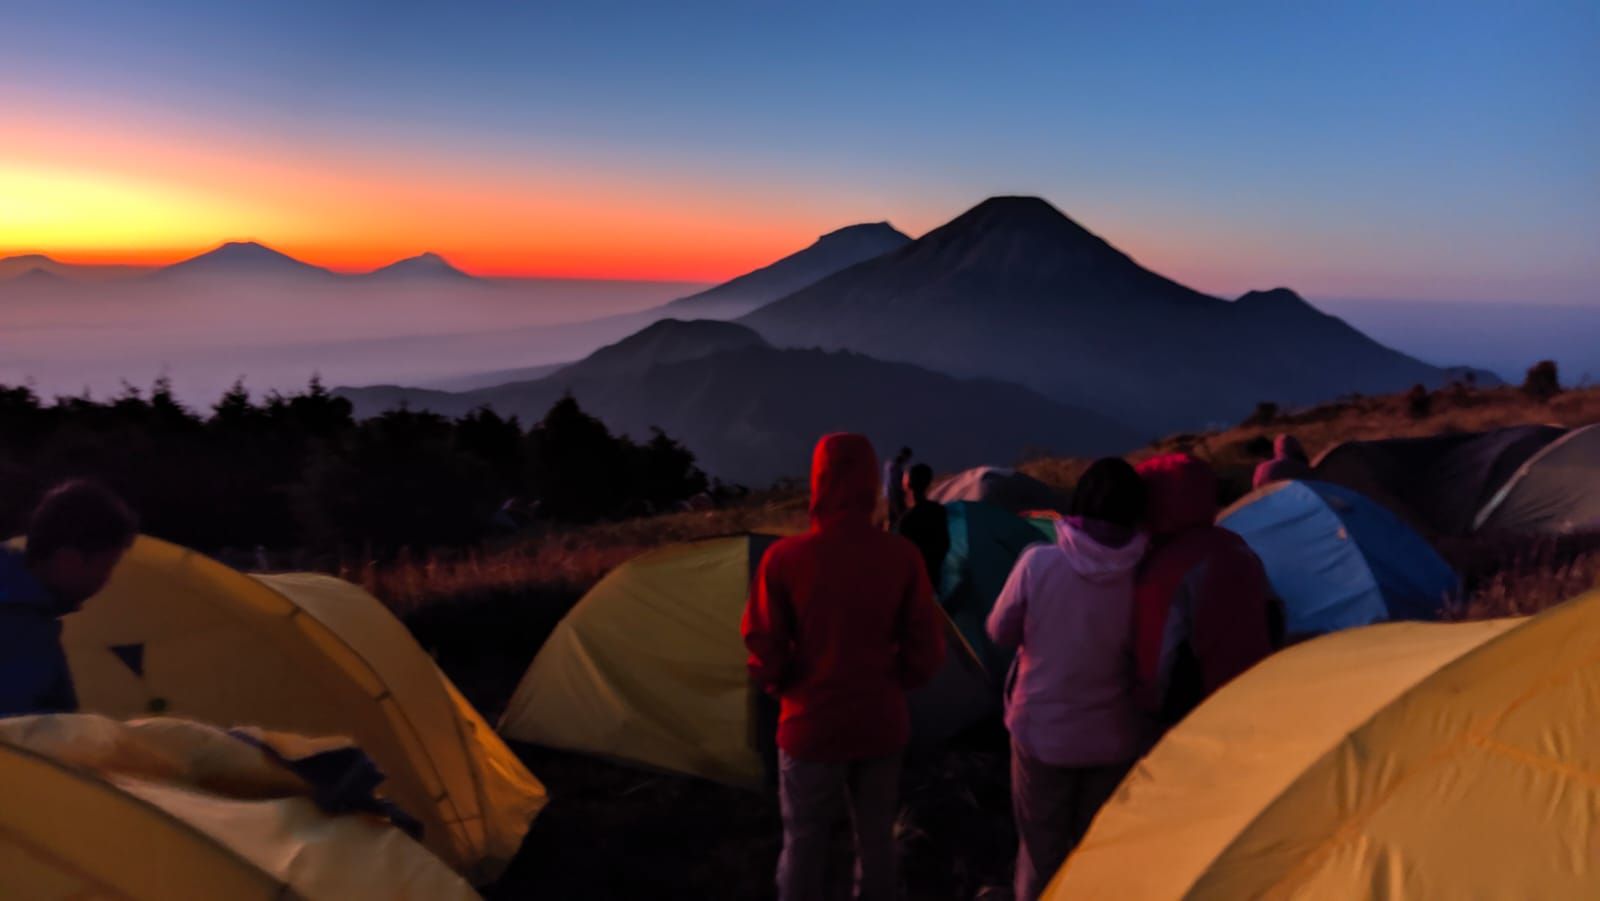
(80, 515)
(905, 453)
(920, 478)
(1111, 491)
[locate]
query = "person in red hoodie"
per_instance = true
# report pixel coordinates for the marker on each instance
(840, 624)
(1203, 608)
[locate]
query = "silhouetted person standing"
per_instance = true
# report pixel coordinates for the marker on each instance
(894, 473)
(840, 624)
(76, 536)
(1289, 461)
(926, 524)
(1068, 609)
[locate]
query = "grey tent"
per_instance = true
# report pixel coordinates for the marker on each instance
(1005, 488)
(1556, 490)
(1437, 484)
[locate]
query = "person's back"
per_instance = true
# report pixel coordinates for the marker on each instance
(840, 624)
(1289, 461)
(75, 538)
(927, 523)
(1068, 609)
(1203, 602)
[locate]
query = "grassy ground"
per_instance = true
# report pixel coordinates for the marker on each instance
(616, 832)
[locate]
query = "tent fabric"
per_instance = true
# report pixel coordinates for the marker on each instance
(1437, 484)
(310, 654)
(1556, 490)
(1337, 559)
(985, 542)
(1398, 761)
(170, 809)
(1005, 488)
(649, 669)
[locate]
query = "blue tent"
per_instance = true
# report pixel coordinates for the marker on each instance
(985, 542)
(1337, 559)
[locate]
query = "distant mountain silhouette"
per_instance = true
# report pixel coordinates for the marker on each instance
(422, 266)
(244, 258)
(37, 278)
(750, 412)
(829, 254)
(1013, 289)
(15, 266)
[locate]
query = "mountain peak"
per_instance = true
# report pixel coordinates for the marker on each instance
(424, 265)
(243, 257)
(29, 259)
(863, 231)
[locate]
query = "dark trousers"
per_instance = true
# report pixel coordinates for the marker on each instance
(811, 795)
(1052, 806)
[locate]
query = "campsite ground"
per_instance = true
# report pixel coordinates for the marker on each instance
(617, 831)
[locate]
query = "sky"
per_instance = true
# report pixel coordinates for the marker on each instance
(1426, 151)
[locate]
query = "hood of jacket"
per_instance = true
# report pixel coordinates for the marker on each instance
(1182, 493)
(844, 480)
(1099, 550)
(1287, 447)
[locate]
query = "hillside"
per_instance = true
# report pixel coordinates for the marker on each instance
(834, 251)
(751, 412)
(1015, 290)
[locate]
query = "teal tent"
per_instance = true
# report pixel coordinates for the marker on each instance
(985, 542)
(1337, 559)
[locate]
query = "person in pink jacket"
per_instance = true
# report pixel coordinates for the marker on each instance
(1068, 610)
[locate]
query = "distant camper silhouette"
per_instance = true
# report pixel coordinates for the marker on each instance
(1289, 461)
(894, 473)
(926, 524)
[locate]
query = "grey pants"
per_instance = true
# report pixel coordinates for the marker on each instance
(1053, 806)
(811, 795)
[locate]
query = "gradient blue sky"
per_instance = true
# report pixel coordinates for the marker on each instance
(1409, 150)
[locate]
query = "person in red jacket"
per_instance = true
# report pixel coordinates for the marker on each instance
(840, 624)
(1203, 609)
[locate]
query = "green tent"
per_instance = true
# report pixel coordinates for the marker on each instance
(985, 542)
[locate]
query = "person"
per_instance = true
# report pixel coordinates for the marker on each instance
(76, 536)
(1067, 608)
(893, 479)
(840, 624)
(926, 524)
(1204, 612)
(1288, 461)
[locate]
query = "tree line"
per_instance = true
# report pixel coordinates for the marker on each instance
(298, 470)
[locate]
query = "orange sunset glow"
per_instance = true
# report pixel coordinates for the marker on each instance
(151, 197)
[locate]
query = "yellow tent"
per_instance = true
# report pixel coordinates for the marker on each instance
(176, 632)
(165, 810)
(1399, 761)
(649, 668)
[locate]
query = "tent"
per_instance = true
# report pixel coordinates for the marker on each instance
(1398, 761)
(1337, 559)
(649, 668)
(165, 810)
(1004, 488)
(985, 542)
(1556, 490)
(176, 632)
(1437, 484)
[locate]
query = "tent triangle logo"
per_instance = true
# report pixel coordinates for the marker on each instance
(132, 656)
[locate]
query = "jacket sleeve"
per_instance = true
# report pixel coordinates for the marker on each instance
(768, 629)
(1011, 608)
(34, 677)
(922, 646)
(1231, 630)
